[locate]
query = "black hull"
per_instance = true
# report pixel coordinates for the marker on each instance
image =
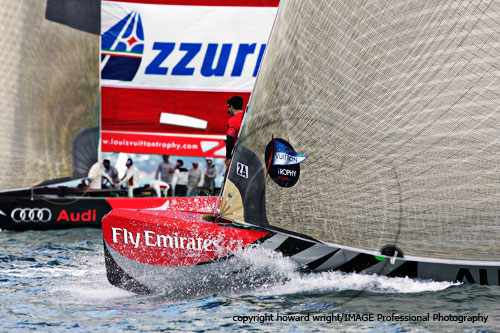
(24, 213)
(65, 208)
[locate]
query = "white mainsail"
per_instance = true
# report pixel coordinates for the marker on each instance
(49, 92)
(396, 106)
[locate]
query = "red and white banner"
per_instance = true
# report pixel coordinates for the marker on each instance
(168, 67)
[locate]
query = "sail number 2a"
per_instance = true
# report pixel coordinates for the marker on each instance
(242, 170)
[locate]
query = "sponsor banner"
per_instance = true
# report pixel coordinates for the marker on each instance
(23, 213)
(26, 214)
(140, 110)
(170, 144)
(170, 66)
(183, 47)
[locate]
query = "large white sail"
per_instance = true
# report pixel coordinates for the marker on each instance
(49, 92)
(396, 106)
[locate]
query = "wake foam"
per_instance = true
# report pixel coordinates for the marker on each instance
(250, 271)
(261, 272)
(97, 292)
(244, 271)
(304, 283)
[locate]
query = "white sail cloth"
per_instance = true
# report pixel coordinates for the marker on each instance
(49, 92)
(396, 105)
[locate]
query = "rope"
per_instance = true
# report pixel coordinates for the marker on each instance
(42, 197)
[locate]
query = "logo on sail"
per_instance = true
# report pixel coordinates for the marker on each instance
(122, 47)
(283, 162)
(285, 155)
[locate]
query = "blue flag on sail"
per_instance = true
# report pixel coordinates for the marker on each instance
(284, 155)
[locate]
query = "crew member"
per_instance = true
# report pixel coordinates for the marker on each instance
(166, 171)
(210, 175)
(110, 172)
(180, 179)
(130, 178)
(195, 179)
(159, 186)
(235, 109)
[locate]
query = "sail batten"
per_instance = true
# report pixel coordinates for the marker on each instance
(396, 106)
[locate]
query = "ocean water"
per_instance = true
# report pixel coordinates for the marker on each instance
(56, 281)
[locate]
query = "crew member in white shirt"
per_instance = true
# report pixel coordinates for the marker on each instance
(131, 178)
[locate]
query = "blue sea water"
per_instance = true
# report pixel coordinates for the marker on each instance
(56, 281)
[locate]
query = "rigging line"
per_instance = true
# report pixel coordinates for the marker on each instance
(219, 198)
(41, 197)
(270, 155)
(221, 192)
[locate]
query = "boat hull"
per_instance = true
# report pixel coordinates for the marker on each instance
(153, 251)
(21, 213)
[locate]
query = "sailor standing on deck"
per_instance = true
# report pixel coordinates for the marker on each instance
(235, 109)
(131, 178)
(195, 179)
(210, 176)
(180, 179)
(166, 171)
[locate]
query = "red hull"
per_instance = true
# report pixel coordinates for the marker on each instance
(173, 238)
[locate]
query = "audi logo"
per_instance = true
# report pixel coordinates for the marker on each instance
(31, 215)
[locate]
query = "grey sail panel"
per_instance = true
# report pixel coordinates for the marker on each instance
(50, 91)
(396, 105)
(81, 15)
(84, 151)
